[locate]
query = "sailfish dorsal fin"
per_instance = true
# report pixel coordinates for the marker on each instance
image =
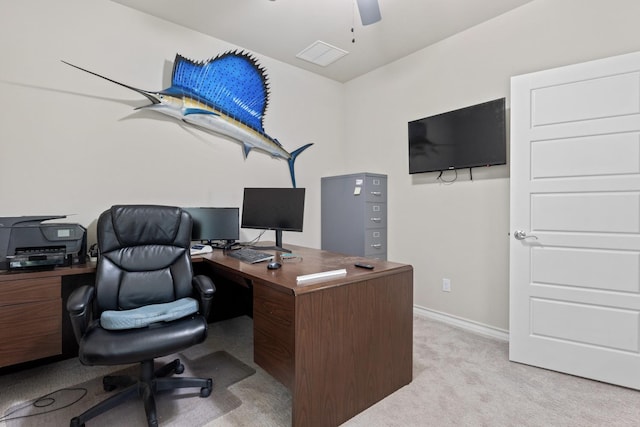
(232, 83)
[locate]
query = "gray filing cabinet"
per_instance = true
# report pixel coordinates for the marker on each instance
(354, 214)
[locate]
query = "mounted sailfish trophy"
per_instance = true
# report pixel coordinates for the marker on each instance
(226, 95)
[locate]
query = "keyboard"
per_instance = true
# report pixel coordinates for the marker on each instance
(249, 255)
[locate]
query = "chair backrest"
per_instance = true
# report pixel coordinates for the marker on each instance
(143, 256)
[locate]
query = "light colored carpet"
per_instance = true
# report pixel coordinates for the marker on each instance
(459, 379)
(174, 408)
(464, 379)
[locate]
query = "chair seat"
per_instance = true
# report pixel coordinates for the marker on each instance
(118, 347)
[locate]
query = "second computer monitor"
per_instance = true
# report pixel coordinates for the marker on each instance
(211, 224)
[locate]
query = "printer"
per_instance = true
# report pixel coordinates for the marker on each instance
(27, 243)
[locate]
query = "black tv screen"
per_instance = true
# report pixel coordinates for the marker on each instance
(465, 138)
(210, 223)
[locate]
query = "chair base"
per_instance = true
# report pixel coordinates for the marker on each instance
(146, 386)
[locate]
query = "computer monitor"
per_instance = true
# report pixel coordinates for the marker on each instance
(211, 224)
(279, 209)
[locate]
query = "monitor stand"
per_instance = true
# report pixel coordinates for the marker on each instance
(228, 244)
(277, 247)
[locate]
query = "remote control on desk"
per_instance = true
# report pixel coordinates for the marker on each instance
(363, 265)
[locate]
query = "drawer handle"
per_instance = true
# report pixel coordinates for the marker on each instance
(376, 245)
(376, 193)
(376, 219)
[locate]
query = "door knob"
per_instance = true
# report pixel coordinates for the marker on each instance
(521, 235)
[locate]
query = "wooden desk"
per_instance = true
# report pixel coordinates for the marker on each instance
(339, 345)
(33, 319)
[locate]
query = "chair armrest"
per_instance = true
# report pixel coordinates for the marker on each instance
(204, 290)
(80, 308)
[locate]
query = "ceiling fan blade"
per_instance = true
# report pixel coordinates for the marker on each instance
(369, 11)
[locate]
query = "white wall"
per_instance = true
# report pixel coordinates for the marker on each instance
(73, 144)
(460, 231)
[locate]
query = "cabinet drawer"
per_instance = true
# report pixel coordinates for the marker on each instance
(375, 241)
(29, 290)
(375, 188)
(30, 331)
(273, 332)
(376, 215)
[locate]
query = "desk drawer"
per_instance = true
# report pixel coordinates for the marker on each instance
(273, 332)
(30, 331)
(30, 319)
(236, 278)
(29, 290)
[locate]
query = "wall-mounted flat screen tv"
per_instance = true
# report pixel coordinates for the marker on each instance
(465, 138)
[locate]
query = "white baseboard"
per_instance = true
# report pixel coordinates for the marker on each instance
(459, 322)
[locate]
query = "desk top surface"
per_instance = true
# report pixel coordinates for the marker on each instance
(303, 261)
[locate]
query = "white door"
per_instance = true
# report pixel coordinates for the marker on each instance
(575, 220)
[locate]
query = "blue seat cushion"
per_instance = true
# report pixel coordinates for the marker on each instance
(144, 316)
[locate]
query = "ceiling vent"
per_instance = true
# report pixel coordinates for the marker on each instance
(321, 53)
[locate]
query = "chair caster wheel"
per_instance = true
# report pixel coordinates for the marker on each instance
(206, 391)
(75, 422)
(179, 368)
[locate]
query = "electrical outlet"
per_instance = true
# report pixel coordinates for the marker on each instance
(446, 285)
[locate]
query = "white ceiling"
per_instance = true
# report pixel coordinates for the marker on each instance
(280, 29)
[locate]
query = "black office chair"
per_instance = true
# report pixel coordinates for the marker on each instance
(145, 304)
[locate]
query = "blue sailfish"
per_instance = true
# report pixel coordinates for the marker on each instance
(227, 95)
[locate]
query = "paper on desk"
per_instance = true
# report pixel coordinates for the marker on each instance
(317, 277)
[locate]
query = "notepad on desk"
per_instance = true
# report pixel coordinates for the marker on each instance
(200, 249)
(318, 277)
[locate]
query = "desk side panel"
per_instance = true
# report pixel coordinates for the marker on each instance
(354, 346)
(273, 333)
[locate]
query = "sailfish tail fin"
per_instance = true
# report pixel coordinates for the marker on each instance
(292, 161)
